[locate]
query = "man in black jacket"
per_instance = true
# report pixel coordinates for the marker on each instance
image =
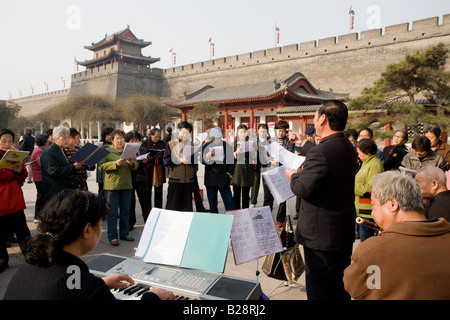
(393, 154)
(218, 170)
(326, 219)
(57, 173)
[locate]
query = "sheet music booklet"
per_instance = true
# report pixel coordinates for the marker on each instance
(186, 239)
(254, 234)
(130, 150)
(278, 184)
(90, 153)
(12, 158)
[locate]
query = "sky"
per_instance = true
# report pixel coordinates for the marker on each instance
(40, 39)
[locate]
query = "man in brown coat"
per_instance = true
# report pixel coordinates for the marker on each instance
(410, 260)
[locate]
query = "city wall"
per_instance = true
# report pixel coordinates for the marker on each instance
(32, 105)
(343, 64)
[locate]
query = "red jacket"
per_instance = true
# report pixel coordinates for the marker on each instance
(11, 195)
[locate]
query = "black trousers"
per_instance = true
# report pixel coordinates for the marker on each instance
(39, 201)
(15, 223)
(179, 197)
(325, 272)
(245, 191)
(268, 198)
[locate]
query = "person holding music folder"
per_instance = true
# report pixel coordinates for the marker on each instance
(139, 181)
(57, 172)
(282, 128)
(219, 169)
(244, 170)
(118, 187)
(105, 141)
(410, 260)
(41, 143)
(181, 170)
(326, 219)
(12, 202)
(156, 172)
(73, 147)
(70, 227)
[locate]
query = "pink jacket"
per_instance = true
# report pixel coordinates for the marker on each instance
(36, 166)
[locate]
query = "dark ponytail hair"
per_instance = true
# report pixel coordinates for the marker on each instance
(62, 221)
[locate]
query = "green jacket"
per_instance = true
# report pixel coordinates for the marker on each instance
(363, 185)
(116, 178)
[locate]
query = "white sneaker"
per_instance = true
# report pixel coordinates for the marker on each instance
(252, 205)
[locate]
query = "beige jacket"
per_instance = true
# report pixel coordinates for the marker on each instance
(409, 261)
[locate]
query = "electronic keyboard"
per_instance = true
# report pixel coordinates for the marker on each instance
(184, 283)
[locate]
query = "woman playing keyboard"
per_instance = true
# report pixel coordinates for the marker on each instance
(71, 225)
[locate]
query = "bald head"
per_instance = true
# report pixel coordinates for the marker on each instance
(432, 180)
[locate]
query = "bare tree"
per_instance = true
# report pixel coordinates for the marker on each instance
(145, 110)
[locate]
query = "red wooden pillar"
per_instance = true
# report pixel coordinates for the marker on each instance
(444, 136)
(252, 118)
(387, 141)
(304, 124)
(184, 115)
(226, 120)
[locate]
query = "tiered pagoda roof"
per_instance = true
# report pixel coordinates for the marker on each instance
(117, 49)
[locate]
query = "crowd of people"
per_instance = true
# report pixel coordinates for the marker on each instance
(345, 175)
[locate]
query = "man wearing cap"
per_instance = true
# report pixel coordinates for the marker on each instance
(219, 167)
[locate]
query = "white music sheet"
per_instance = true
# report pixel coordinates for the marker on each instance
(218, 153)
(245, 146)
(243, 237)
(288, 159)
(130, 150)
(169, 238)
(190, 150)
(278, 184)
(147, 233)
(253, 234)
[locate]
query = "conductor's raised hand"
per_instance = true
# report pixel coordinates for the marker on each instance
(295, 137)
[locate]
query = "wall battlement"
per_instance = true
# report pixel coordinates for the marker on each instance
(115, 68)
(43, 96)
(420, 29)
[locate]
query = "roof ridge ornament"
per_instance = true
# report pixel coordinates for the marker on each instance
(276, 85)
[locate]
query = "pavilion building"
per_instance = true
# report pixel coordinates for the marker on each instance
(293, 99)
